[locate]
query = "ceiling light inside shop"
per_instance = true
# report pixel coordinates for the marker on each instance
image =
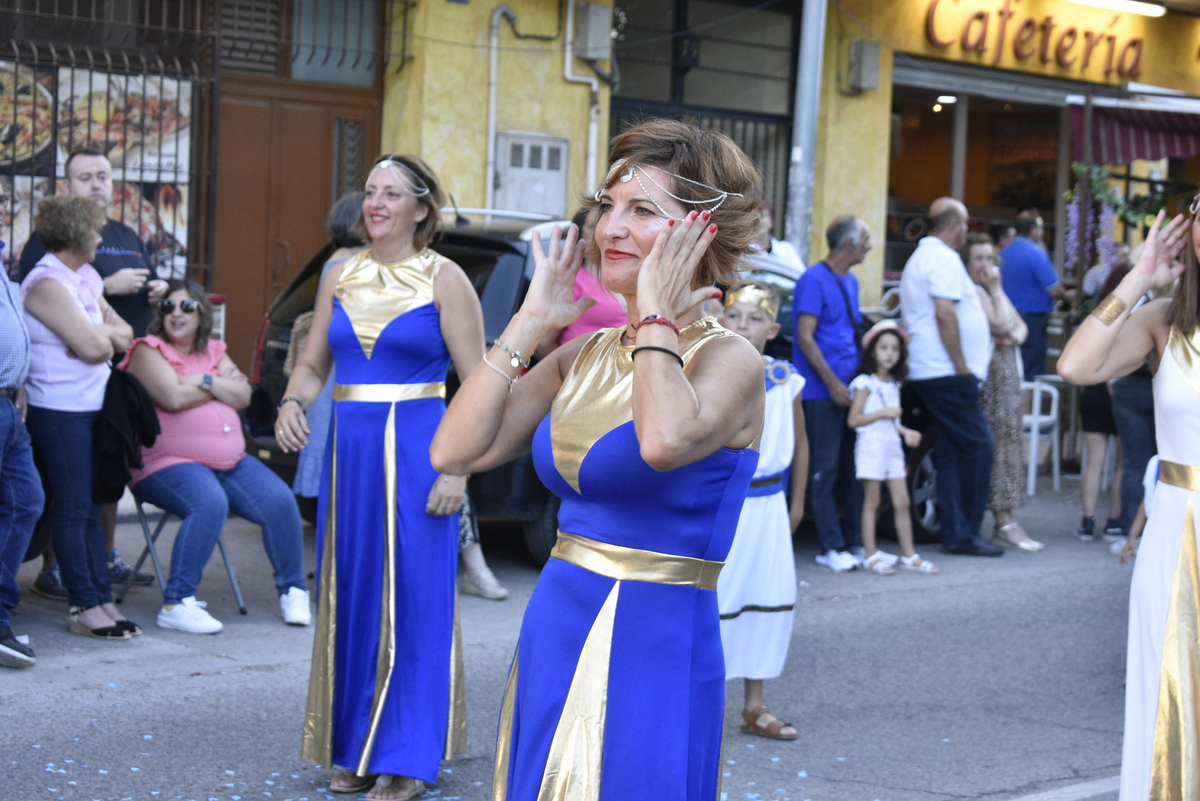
(1130, 6)
(937, 106)
(947, 99)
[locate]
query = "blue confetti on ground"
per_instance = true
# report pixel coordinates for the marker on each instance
(802, 774)
(774, 759)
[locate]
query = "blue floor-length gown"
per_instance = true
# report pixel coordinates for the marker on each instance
(617, 688)
(385, 693)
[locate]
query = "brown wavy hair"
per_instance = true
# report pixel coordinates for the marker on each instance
(429, 230)
(708, 157)
(204, 308)
(67, 222)
(1184, 311)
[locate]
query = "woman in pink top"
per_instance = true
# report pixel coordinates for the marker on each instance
(73, 333)
(609, 310)
(198, 468)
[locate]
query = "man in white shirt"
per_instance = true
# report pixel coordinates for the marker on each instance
(947, 362)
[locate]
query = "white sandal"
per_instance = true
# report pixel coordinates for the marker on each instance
(878, 563)
(915, 562)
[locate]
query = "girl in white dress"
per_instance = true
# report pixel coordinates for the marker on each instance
(1162, 696)
(879, 447)
(756, 590)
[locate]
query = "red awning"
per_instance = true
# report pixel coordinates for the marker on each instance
(1120, 135)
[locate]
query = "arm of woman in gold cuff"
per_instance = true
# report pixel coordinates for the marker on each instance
(487, 424)
(1099, 352)
(311, 371)
(718, 401)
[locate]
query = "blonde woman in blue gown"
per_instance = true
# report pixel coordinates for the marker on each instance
(1162, 682)
(616, 690)
(385, 697)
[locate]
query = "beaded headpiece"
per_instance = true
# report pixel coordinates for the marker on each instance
(756, 295)
(1195, 207)
(636, 171)
(404, 173)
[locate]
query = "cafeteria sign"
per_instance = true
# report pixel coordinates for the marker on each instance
(1032, 40)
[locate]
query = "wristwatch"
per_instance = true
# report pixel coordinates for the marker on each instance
(206, 383)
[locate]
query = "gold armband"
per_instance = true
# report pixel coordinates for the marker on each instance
(1110, 309)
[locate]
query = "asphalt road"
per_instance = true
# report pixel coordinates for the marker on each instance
(994, 679)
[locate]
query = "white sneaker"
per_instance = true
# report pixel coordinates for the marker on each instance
(189, 615)
(296, 608)
(484, 584)
(837, 561)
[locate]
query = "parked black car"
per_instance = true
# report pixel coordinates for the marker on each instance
(497, 258)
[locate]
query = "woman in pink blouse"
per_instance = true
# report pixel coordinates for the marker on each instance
(198, 468)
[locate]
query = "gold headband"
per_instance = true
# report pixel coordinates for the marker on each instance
(755, 295)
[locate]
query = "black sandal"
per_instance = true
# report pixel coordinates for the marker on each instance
(104, 633)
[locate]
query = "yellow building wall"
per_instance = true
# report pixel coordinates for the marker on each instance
(436, 105)
(851, 175)
(853, 155)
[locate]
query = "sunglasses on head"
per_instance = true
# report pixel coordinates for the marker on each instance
(185, 306)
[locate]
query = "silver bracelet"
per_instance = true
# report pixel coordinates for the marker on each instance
(512, 380)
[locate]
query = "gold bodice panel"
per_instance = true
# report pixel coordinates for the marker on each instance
(373, 293)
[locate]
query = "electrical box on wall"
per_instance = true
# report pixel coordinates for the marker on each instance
(864, 64)
(593, 31)
(531, 173)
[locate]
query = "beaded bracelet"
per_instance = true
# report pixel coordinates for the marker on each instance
(511, 379)
(290, 398)
(657, 319)
(516, 360)
(667, 351)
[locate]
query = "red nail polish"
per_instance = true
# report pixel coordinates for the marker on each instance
(693, 215)
(712, 229)
(670, 222)
(706, 215)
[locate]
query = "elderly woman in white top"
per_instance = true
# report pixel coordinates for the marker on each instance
(73, 334)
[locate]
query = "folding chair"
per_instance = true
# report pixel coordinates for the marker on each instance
(149, 550)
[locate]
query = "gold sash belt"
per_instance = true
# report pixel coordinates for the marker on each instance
(634, 564)
(767, 482)
(388, 393)
(1179, 475)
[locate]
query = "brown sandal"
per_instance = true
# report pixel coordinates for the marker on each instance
(363, 784)
(771, 730)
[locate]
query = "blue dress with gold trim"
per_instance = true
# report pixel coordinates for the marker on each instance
(385, 692)
(617, 689)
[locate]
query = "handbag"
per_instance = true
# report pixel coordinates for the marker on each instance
(860, 325)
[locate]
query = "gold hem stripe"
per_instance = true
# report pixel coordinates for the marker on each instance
(576, 759)
(754, 608)
(633, 564)
(456, 720)
(388, 393)
(386, 660)
(317, 741)
(504, 736)
(1174, 772)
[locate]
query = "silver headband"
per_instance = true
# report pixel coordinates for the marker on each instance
(1195, 207)
(402, 172)
(635, 172)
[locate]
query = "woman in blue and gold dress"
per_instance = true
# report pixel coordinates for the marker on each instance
(385, 697)
(616, 690)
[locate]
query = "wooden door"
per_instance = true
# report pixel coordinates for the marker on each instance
(282, 147)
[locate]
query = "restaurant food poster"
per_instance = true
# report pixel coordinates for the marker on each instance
(141, 122)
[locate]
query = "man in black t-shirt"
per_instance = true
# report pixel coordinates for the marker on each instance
(132, 292)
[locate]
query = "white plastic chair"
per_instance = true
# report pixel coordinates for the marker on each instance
(1037, 423)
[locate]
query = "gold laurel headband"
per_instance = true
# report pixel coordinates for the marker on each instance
(755, 295)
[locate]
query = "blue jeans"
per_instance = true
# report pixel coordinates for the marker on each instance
(202, 498)
(63, 441)
(831, 475)
(962, 453)
(21, 499)
(1133, 412)
(1035, 346)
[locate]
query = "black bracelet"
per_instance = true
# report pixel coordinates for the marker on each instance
(290, 398)
(667, 351)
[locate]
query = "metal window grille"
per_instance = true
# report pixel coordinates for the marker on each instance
(133, 79)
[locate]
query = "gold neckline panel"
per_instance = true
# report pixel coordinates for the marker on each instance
(373, 293)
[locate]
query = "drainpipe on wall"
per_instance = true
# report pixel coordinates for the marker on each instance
(593, 135)
(499, 13)
(801, 171)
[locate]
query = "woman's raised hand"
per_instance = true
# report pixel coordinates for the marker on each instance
(551, 291)
(665, 278)
(1159, 264)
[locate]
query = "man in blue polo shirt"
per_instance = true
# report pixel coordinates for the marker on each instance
(1032, 285)
(825, 349)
